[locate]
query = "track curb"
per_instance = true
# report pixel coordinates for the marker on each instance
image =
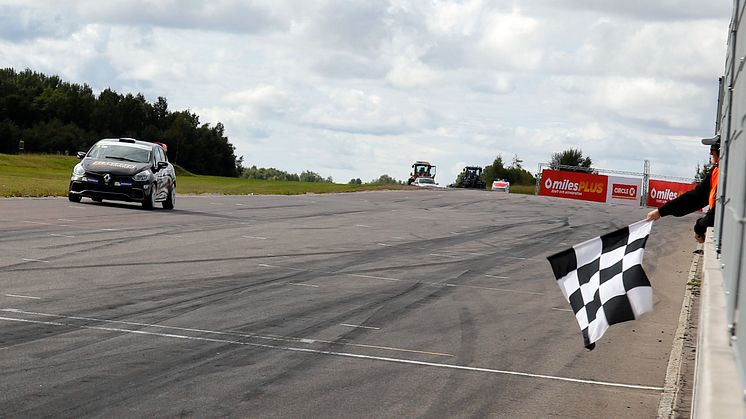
(669, 397)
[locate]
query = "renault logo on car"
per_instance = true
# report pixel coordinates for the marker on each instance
(107, 178)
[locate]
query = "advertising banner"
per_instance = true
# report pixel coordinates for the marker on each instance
(573, 185)
(624, 191)
(661, 191)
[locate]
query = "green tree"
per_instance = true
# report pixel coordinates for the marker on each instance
(10, 135)
(385, 180)
(54, 116)
(700, 174)
(494, 171)
(570, 157)
(309, 176)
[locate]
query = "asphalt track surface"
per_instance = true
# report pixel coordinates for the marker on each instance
(379, 304)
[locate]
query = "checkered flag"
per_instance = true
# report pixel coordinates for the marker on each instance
(603, 280)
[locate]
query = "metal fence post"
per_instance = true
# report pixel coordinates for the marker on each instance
(645, 183)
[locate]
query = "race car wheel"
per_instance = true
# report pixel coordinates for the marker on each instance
(149, 202)
(170, 199)
(73, 198)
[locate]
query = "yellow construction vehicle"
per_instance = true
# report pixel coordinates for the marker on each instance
(421, 169)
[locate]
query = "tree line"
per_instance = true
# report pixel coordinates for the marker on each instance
(53, 116)
(514, 173)
(271, 173)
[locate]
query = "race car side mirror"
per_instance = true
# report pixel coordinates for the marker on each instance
(162, 165)
(81, 154)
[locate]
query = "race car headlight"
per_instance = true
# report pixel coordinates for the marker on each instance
(78, 170)
(142, 176)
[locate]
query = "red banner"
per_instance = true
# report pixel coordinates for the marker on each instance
(661, 191)
(574, 185)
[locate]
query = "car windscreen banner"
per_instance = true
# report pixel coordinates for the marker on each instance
(624, 191)
(661, 191)
(573, 185)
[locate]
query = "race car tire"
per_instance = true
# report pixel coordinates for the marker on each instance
(170, 198)
(149, 202)
(73, 198)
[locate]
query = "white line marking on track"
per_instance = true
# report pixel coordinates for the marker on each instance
(66, 219)
(384, 244)
(359, 326)
(373, 277)
(264, 265)
(62, 235)
(35, 260)
(23, 296)
(397, 238)
(562, 309)
(495, 276)
(12, 319)
(341, 342)
(362, 225)
(442, 255)
(303, 285)
(352, 355)
(254, 237)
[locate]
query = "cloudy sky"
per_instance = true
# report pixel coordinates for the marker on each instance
(359, 88)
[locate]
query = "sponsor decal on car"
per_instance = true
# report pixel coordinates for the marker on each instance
(114, 164)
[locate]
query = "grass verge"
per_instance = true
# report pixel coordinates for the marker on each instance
(37, 175)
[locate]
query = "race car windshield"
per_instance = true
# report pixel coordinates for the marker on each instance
(426, 180)
(118, 152)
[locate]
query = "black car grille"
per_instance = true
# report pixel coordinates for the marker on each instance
(118, 187)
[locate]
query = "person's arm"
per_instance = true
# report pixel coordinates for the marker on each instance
(689, 201)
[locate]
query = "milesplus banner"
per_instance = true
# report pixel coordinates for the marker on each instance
(661, 191)
(611, 189)
(573, 185)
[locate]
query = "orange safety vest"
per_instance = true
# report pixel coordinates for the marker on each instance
(713, 186)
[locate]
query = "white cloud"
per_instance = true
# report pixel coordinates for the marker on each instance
(655, 101)
(512, 40)
(459, 19)
(355, 111)
(261, 100)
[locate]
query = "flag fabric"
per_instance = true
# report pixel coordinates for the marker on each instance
(603, 279)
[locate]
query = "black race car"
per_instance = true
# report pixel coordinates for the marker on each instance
(125, 169)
